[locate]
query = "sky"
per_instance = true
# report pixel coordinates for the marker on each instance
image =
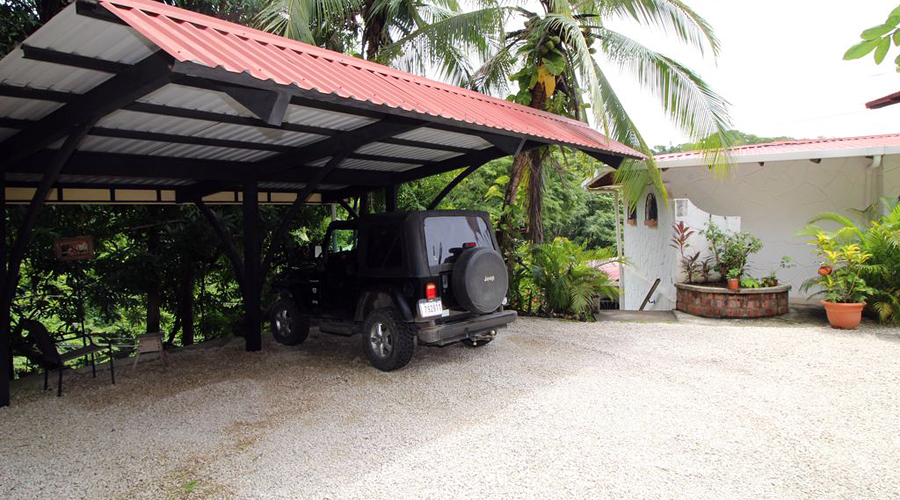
(780, 67)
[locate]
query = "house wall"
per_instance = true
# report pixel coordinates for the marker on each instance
(649, 257)
(650, 254)
(777, 199)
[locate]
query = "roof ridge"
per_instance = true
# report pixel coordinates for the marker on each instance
(314, 51)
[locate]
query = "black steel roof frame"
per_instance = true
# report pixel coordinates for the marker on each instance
(27, 151)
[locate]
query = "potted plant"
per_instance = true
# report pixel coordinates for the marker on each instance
(734, 279)
(845, 291)
(772, 278)
(730, 250)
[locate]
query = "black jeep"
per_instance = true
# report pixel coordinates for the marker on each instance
(432, 278)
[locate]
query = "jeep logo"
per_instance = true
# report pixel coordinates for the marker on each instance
(488, 278)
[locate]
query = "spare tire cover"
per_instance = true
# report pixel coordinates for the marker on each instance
(479, 280)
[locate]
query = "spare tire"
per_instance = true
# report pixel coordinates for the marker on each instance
(479, 280)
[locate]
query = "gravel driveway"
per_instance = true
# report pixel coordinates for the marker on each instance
(551, 409)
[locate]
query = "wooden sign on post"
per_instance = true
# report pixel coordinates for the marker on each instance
(77, 248)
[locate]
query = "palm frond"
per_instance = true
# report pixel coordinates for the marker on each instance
(685, 97)
(673, 16)
(448, 43)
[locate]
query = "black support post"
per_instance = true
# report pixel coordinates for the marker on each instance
(449, 187)
(17, 253)
(390, 198)
(6, 371)
(252, 264)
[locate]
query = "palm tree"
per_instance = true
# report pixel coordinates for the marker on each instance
(552, 61)
(412, 35)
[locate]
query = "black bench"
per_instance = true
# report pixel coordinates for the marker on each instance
(54, 359)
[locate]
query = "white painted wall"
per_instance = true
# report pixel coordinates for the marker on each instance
(698, 220)
(776, 200)
(650, 254)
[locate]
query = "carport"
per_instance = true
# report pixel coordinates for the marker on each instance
(133, 101)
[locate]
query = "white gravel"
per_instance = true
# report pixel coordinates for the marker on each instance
(551, 409)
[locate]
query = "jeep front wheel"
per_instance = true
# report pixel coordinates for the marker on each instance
(388, 340)
(289, 326)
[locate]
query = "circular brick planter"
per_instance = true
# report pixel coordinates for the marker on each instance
(720, 302)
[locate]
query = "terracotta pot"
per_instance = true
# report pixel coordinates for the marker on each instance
(734, 284)
(825, 270)
(844, 316)
(651, 223)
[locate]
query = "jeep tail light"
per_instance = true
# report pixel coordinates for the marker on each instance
(469, 244)
(430, 291)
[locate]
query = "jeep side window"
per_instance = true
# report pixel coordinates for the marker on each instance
(384, 247)
(445, 236)
(341, 243)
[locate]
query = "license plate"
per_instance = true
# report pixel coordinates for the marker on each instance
(428, 308)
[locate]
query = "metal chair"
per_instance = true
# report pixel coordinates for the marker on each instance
(52, 359)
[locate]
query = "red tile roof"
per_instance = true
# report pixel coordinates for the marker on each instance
(191, 37)
(796, 146)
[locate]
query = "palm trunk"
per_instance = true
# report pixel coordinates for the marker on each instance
(536, 198)
(373, 32)
(516, 170)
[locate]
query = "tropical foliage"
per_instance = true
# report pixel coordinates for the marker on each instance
(842, 263)
(690, 263)
(552, 63)
(567, 278)
(880, 241)
(877, 40)
(731, 250)
(414, 36)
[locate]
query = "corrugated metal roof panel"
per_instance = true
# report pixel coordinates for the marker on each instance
(382, 166)
(15, 70)
(95, 38)
(302, 115)
(445, 138)
(156, 148)
(191, 37)
(146, 122)
(28, 109)
(180, 96)
(398, 151)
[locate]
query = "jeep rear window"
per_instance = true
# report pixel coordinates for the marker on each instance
(445, 236)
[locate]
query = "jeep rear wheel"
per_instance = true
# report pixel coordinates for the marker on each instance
(388, 340)
(289, 326)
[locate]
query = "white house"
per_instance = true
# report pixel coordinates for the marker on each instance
(773, 192)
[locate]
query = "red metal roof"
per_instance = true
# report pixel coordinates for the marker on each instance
(191, 37)
(799, 145)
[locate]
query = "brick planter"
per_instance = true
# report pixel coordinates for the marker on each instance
(719, 302)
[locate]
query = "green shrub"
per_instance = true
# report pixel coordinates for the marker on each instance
(730, 250)
(563, 273)
(880, 240)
